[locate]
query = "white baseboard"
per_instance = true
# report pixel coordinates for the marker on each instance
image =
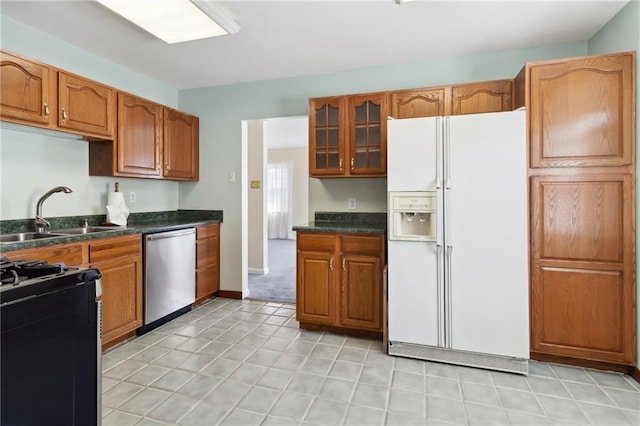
(258, 271)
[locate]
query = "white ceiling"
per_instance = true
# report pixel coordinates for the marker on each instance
(290, 38)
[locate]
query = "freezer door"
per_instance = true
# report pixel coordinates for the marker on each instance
(414, 287)
(486, 233)
(413, 154)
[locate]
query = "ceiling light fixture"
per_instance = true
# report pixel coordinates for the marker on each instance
(175, 21)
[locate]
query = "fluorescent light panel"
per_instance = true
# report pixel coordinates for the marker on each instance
(173, 21)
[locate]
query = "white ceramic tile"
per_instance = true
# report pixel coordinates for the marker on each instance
(445, 388)
(199, 386)
(359, 416)
(371, 395)
(345, 370)
(147, 375)
(408, 381)
(482, 415)
(573, 374)
(259, 400)
(249, 374)
(588, 393)
(610, 380)
(291, 405)
(624, 399)
(275, 378)
(238, 417)
(510, 380)
(407, 402)
(352, 355)
(120, 418)
(518, 400)
(308, 384)
(173, 408)
(173, 380)
(548, 386)
(227, 393)
(204, 414)
(480, 394)
(376, 375)
(150, 354)
(317, 366)
(563, 409)
(323, 351)
(144, 401)
(172, 359)
(444, 409)
(323, 412)
(601, 415)
(337, 390)
(222, 367)
(119, 394)
(124, 369)
(196, 362)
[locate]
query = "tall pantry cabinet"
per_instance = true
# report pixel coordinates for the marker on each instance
(582, 207)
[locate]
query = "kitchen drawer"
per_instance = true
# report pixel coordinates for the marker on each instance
(316, 242)
(207, 231)
(111, 248)
(361, 244)
(74, 254)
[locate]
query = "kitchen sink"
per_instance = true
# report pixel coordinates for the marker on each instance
(87, 230)
(27, 236)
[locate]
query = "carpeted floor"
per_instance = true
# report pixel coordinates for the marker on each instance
(279, 285)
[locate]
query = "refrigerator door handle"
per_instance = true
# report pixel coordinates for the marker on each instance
(440, 296)
(447, 152)
(448, 302)
(439, 159)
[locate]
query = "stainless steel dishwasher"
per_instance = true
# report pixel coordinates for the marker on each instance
(169, 276)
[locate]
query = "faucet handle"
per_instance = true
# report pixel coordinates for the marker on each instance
(41, 223)
(85, 223)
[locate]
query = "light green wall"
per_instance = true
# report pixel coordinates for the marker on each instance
(31, 164)
(622, 34)
(221, 110)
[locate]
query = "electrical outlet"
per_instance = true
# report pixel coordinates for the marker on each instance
(352, 203)
(132, 197)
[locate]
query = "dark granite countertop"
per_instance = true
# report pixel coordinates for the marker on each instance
(346, 223)
(138, 223)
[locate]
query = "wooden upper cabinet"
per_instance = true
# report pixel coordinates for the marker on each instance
(368, 134)
(139, 139)
(180, 151)
(25, 90)
(348, 136)
(326, 137)
(476, 98)
(85, 106)
(581, 111)
(418, 103)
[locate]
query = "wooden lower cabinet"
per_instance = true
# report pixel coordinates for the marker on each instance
(339, 281)
(119, 259)
(121, 297)
(207, 261)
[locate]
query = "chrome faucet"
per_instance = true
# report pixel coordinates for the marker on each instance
(41, 224)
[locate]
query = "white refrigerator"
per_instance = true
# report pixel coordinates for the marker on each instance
(457, 249)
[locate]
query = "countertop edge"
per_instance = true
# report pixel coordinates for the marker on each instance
(142, 228)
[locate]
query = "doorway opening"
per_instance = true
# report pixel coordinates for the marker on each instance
(277, 171)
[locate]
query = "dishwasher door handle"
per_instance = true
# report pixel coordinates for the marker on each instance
(171, 234)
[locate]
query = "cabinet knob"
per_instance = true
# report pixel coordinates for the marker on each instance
(167, 167)
(64, 114)
(46, 111)
(340, 164)
(344, 263)
(353, 160)
(331, 263)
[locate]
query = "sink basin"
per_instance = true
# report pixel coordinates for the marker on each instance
(27, 236)
(88, 230)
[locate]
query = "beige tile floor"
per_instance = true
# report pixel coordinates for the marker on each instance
(232, 362)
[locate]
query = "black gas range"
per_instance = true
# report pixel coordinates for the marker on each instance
(50, 368)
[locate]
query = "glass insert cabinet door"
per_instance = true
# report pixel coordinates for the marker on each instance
(368, 134)
(326, 136)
